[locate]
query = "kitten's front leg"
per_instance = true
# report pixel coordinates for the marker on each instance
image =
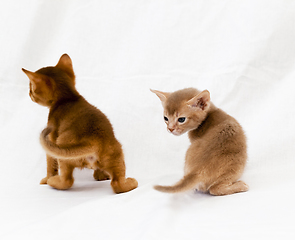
(101, 175)
(52, 168)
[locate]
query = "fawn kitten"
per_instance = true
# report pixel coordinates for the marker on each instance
(77, 133)
(217, 155)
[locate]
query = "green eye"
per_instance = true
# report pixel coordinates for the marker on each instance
(181, 120)
(166, 119)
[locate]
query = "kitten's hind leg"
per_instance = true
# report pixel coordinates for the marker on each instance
(116, 168)
(52, 169)
(225, 188)
(101, 175)
(65, 180)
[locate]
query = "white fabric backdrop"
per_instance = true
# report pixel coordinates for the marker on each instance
(243, 52)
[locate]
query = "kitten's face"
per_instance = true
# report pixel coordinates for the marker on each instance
(177, 123)
(44, 83)
(181, 121)
(184, 110)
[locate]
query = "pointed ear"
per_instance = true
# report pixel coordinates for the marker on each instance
(65, 63)
(38, 80)
(28, 73)
(35, 78)
(162, 95)
(201, 101)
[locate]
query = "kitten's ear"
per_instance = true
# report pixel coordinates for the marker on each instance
(162, 95)
(201, 101)
(65, 63)
(37, 79)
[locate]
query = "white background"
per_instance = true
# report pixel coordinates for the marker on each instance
(243, 52)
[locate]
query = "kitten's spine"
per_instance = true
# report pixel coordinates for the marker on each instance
(188, 182)
(69, 152)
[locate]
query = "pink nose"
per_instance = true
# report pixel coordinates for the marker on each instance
(171, 129)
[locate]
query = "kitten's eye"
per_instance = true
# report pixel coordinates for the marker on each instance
(166, 119)
(181, 120)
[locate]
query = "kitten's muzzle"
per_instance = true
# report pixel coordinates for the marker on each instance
(170, 129)
(174, 131)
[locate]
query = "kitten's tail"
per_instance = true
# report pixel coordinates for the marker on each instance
(186, 183)
(68, 152)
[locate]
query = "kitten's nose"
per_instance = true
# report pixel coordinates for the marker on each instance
(170, 129)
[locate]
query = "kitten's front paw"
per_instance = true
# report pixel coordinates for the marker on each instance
(59, 183)
(44, 180)
(100, 175)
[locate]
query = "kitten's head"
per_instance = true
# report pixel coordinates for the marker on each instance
(50, 84)
(184, 110)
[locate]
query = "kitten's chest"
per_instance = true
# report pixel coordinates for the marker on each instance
(92, 162)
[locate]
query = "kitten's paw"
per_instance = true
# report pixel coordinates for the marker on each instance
(100, 175)
(44, 180)
(244, 187)
(125, 185)
(59, 183)
(228, 188)
(132, 183)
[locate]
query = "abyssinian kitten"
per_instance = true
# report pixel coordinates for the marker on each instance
(77, 133)
(217, 155)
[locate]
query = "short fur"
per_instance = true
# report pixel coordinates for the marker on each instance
(217, 155)
(77, 133)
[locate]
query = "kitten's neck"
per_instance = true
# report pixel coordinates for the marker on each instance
(214, 116)
(65, 100)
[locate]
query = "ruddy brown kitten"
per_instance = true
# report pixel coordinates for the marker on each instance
(77, 133)
(217, 155)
